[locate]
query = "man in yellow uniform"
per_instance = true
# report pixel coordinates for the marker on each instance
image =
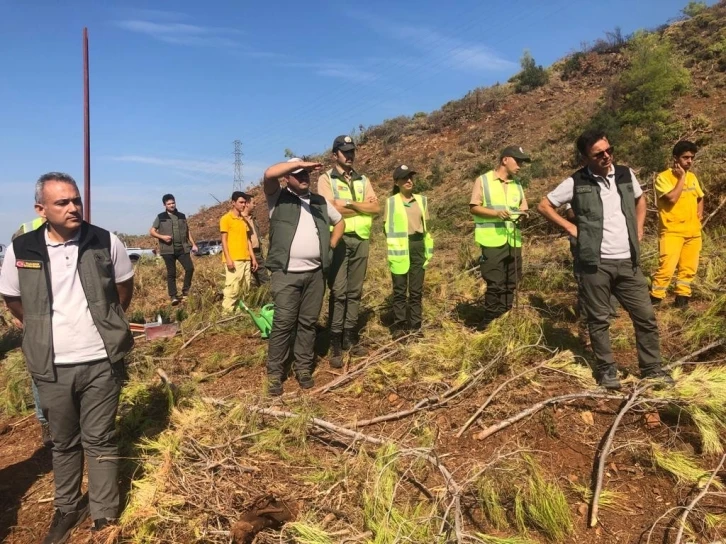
(237, 252)
(497, 202)
(351, 194)
(680, 210)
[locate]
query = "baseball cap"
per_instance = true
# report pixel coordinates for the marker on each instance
(402, 172)
(343, 143)
(296, 159)
(516, 152)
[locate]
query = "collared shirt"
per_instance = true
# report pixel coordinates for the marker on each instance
(305, 248)
(326, 191)
(681, 217)
(252, 227)
(615, 242)
(477, 198)
(237, 236)
(414, 215)
(75, 337)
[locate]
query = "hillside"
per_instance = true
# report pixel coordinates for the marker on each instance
(494, 437)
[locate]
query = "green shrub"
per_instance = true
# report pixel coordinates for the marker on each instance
(531, 76)
(572, 66)
(694, 8)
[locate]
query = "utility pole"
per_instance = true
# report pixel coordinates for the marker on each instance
(86, 134)
(237, 184)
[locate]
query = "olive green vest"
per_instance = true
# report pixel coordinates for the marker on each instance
(283, 224)
(95, 270)
(395, 224)
(166, 229)
(587, 206)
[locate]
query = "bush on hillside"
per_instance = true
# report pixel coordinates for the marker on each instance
(694, 8)
(572, 66)
(636, 113)
(531, 76)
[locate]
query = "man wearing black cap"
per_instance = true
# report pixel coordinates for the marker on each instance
(497, 203)
(352, 195)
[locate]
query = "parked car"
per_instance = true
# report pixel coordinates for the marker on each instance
(137, 253)
(209, 247)
(2, 253)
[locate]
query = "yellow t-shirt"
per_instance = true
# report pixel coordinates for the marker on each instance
(683, 215)
(237, 233)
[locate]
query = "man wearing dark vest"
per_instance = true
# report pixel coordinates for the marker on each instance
(260, 274)
(175, 242)
(299, 258)
(69, 283)
(609, 209)
(352, 195)
(497, 203)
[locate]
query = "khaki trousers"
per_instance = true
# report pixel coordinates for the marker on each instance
(235, 283)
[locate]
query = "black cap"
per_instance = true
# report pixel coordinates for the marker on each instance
(402, 172)
(515, 151)
(343, 143)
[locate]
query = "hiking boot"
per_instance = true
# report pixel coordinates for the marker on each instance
(274, 386)
(336, 358)
(350, 342)
(608, 378)
(660, 378)
(655, 301)
(305, 380)
(63, 524)
(681, 302)
(175, 301)
(45, 435)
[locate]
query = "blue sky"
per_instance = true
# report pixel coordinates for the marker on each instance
(174, 83)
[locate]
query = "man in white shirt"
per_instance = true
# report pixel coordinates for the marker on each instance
(609, 209)
(69, 283)
(301, 241)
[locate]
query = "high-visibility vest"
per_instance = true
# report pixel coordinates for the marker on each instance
(30, 226)
(360, 224)
(395, 224)
(492, 231)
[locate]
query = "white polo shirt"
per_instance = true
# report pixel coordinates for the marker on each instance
(615, 241)
(75, 337)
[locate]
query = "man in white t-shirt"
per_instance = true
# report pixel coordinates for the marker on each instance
(609, 210)
(304, 228)
(69, 283)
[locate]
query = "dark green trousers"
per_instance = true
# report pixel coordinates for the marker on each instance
(501, 272)
(408, 288)
(347, 272)
(627, 283)
(298, 297)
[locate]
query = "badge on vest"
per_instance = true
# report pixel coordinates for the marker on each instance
(583, 189)
(33, 265)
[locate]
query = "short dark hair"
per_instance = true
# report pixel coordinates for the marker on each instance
(588, 139)
(684, 146)
(167, 197)
(237, 195)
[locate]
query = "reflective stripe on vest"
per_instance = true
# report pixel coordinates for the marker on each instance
(396, 228)
(360, 224)
(492, 231)
(30, 226)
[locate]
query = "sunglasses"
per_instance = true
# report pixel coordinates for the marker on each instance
(601, 155)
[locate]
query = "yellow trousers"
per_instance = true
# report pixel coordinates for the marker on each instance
(234, 283)
(676, 251)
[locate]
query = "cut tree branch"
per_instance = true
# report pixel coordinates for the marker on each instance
(605, 451)
(695, 500)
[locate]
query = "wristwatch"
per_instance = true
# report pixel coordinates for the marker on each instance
(347, 204)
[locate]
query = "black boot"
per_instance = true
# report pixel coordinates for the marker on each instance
(350, 339)
(681, 302)
(336, 357)
(63, 524)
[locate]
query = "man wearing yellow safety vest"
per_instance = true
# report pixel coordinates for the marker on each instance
(45, 435)
(680, 211)
(352, 195)
(410, 247)
(497, 203)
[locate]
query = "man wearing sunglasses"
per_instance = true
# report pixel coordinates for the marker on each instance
(301, 243)
(497, 203)
(609, 210)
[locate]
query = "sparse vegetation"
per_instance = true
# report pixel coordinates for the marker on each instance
(531, 76)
